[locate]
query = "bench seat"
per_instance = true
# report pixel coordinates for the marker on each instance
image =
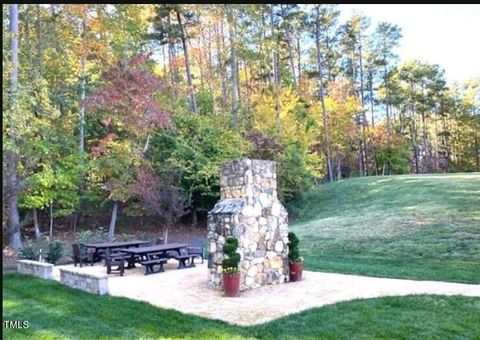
(182, 260)
(149, 264)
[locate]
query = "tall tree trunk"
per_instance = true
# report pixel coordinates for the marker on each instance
(276, 82)
(211, 76)
(435, 145)
(426, 151)
(387, 102)
(414, 133)
(322, 96)
(289, 44)
(38, 28)
(220, 48)
(360, 56)
(171, 64)
(200, 63)
(299, 63)
(187, 63)
(12, 159)
(165, 61)
(50, 234)
(370, 87)
(36, 225)
(28, 48)
(339, 168)
(233, 65)
(445, 143)
(81, 145)
(364, 125)
(477, 146)
(113, 220)
(247, 80)
(165, 234)
(194, 216)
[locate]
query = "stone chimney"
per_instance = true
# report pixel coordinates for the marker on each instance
(249, 210)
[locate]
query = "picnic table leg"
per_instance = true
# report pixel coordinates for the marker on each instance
(94, 257)
(131, 261)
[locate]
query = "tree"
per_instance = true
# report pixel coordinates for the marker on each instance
(322, 95)
(162, 199)
(12, 184)
(233, 63)
(167, 32)
(127, 108)
(386, 38)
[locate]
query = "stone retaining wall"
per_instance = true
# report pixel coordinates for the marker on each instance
(40, 269)
(92, 283)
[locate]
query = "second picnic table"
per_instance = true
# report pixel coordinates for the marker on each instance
(113, 245)
(147, 253)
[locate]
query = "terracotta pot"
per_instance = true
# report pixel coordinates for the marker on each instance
(231, 284)
(296, 269)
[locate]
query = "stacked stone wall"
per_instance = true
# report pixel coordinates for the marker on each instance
(250, 210)
(92, 283)
(40, 269)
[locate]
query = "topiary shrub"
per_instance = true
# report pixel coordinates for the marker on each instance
(293, 251)
(230, 264)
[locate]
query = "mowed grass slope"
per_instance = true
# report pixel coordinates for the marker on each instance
(414, 226)
(55, 311)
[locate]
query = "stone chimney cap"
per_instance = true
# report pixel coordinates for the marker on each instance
(228, 206)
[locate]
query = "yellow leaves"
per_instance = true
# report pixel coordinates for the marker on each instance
(265, 117)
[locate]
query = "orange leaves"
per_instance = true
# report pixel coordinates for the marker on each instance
(128, 97)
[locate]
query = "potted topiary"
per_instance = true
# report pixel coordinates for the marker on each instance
(295, 261)
(230, 271)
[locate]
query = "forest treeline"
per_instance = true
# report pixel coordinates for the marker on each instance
(133, 108)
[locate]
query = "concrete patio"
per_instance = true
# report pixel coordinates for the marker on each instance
(186, 291)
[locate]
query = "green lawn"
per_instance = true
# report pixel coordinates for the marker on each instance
(55, 311)
(419, 227)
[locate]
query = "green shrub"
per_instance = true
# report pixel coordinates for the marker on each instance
(96, 236)
(230, 264)
(51, 251)
(54, 252)
(293, 251)
(30, 251)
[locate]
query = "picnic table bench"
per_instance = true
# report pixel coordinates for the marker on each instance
(187, 254)
(149, 265)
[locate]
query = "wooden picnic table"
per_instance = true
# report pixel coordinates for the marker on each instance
(113, 245)
(147, 253)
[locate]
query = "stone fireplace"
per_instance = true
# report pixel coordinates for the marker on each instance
(249, 210)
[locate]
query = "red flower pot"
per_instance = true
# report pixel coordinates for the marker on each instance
(296, 269)
(231, 284)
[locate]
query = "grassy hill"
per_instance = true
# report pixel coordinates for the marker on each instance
(420, 227)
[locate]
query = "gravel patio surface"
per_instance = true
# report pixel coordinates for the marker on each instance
(186, 291)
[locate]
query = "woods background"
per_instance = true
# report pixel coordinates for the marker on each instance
(132, 109)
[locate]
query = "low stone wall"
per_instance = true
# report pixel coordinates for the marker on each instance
(92, 283)
(40, 269)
